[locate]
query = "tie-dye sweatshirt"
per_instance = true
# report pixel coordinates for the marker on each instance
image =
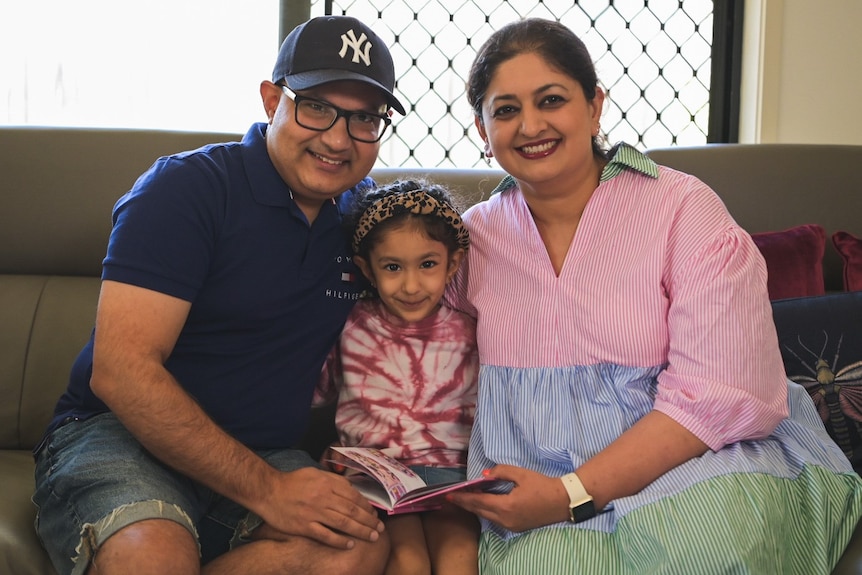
(408, 388)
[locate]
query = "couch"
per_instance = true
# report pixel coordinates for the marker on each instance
(59, 185)
(774, 187)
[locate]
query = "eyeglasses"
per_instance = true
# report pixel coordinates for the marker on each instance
(316, 115)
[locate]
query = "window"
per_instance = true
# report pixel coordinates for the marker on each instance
(653, 58)
(197, 64)
(165, 64)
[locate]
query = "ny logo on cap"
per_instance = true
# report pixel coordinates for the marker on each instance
(361, 47)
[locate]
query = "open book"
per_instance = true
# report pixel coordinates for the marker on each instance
(393, 487)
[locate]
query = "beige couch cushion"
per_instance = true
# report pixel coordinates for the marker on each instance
(42, 333)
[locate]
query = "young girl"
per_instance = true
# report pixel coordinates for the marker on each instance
(406, 366)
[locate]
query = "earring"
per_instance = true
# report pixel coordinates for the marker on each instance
(598, 129)
(488, 154)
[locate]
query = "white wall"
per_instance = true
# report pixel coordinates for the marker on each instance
(801, 72)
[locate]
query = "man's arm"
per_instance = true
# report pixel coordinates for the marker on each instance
(136, 330)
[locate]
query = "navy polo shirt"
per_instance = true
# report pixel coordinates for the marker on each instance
(269, 293)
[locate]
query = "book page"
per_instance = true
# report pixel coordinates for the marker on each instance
(395, 478)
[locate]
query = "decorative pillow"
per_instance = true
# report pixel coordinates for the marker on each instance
(794, 261)
(850, 248)
(821, 344)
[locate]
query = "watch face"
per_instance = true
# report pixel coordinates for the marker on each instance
(582, 512)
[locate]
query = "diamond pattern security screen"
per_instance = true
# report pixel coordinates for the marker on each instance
(652, 57)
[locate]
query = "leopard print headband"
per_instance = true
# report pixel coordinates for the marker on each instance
(414, 202)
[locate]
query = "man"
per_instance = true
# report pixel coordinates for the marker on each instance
(226, 282)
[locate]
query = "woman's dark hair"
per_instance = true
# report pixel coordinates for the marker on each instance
(436, 228)
(554, 42)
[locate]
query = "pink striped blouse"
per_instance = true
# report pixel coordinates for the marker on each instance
(658, 274)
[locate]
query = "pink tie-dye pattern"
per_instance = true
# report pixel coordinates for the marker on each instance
(408, 388)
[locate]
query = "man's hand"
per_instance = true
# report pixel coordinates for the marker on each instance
(136, 330)
(322, 506)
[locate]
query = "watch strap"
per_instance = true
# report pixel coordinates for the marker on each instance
(581, 506)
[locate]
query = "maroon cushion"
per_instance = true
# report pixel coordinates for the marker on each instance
(794, 261)
(850, 248)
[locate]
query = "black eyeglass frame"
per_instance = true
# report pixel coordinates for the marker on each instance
(339, 113)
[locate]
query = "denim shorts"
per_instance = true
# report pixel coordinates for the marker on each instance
(93, 478)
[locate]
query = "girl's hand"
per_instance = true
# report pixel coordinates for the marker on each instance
(330, 460)
(534, 501)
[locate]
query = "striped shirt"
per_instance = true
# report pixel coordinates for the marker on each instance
(658, 275)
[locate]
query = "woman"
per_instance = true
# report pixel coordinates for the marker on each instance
(631, 385)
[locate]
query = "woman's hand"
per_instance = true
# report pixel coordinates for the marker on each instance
(534, 501)
(651, 447)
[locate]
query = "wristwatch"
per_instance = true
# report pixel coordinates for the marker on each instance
(581, 506)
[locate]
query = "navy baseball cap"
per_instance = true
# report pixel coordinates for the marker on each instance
(330, 48)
